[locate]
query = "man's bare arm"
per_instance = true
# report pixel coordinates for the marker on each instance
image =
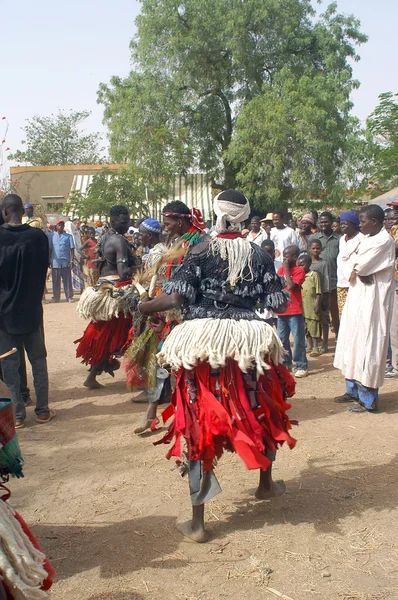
(122, 258)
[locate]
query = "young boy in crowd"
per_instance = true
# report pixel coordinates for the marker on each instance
(320, 266)
(292, 321)
(312, 297)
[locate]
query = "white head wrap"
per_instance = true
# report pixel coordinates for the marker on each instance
(238, 252)
(228, 210)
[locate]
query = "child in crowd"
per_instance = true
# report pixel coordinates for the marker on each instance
(320, 266)
(268, 315)
(292, 321)
(90, 268)
(312, 297)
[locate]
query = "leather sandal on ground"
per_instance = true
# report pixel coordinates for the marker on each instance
(51, 415)
(19, 424)
(359, 408)
(345, 398)
(315, 352)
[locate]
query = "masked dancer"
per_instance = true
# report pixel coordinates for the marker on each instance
(231, 387)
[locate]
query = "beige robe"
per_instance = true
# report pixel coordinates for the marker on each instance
(362, 342)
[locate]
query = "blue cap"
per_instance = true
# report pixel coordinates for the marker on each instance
(352, 217)
(152, 225)
(28, 205)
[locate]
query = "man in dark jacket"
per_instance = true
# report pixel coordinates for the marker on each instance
(24, 257)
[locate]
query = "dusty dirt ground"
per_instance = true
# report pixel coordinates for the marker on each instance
(103, 501)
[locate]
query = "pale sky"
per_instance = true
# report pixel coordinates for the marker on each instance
(55, 54)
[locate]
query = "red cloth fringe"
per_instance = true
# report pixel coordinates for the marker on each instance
(222, 419)
(103, 340)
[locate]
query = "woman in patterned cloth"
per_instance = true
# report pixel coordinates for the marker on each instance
(231, 387)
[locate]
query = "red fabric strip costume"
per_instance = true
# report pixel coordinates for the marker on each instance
(223, 414)
(104, 339)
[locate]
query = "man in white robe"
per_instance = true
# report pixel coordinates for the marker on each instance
(362, 342)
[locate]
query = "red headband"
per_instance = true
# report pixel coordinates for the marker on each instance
(194, 215)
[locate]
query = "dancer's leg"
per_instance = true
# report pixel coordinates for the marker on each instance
(267, 488)
(91, 381)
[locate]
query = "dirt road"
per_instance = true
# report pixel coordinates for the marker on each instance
(103, 502)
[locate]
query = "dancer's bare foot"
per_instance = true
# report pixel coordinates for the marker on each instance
(145, 425)
(92, 384)
(197, 535)
(277, 488)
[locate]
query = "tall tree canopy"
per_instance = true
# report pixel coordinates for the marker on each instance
(59, 140)
(209, 83)
(382, 130)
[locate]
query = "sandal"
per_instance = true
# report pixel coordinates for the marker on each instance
(359, 408)
(315, 352)
(51, 415)
(19, 424)
(345, 398)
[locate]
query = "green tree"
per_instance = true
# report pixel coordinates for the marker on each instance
(295, 142)
(58, 140)
(382, 132)
(199, 63)
(114, 187)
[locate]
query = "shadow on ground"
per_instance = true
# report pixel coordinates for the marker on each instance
(323, 495)
(115, 548)
(308, 409)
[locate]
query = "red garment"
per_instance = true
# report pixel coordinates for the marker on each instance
(103, 340)
(229, 235)
(91, 245)
(295, 304)
(221, 416)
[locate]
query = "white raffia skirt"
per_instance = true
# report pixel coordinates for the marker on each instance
(249, 343)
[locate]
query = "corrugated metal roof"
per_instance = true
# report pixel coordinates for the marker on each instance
(194, 190)
(386, 198)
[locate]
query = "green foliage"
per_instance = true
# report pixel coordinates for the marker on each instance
(113, 187)
(145, 127)
(293, 142)
(205, 70)
(382, 133)
(58, 140)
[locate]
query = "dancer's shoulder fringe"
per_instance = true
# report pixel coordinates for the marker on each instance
(21, 564)
(239, 254)
(250, 343)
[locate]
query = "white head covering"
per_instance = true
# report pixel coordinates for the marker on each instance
(233, 207)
